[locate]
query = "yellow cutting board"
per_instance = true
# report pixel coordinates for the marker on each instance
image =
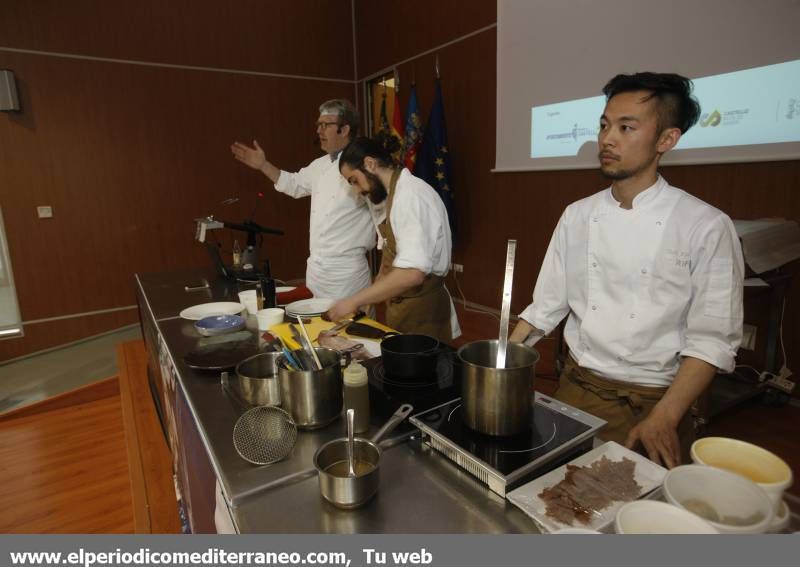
(314, 328)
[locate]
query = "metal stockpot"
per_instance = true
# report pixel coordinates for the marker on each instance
(497, 401)
(350, 492)
(258, 379)
(313, 397)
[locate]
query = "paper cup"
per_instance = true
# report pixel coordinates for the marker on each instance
(249, 299)
(269, 318)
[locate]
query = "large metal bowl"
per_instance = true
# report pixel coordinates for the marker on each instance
(258, 379)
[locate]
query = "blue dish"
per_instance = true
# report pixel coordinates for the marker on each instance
(219, 325)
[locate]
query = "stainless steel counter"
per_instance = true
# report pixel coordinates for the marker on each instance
(420, 491)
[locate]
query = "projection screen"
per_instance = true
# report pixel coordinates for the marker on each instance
(553, 58)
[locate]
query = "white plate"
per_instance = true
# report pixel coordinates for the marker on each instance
(197, 312)
(309, 307)
(647, 474)
(285, 288)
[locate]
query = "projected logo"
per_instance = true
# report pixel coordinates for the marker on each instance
(575, 134)
(712, 119)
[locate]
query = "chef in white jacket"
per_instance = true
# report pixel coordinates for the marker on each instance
(416, 243)
(341, 225)
(649, 276)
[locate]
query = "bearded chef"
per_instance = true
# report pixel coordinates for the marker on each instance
(417, 243)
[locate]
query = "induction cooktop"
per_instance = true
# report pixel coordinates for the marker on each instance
(558, 433)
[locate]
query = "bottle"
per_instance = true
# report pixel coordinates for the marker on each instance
(356, 395)
(268, 287)
(237, 254)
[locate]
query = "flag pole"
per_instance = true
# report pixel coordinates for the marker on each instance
(436, 67)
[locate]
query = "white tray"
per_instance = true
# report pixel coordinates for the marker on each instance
(647, 474)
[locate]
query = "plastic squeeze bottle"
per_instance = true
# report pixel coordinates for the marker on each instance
(356, 395)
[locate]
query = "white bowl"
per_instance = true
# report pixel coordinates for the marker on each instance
(709, 491)
(766, 469)
(655, 517)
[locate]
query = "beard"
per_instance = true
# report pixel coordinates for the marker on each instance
(620, 174)
(615, 174)
(377, 190)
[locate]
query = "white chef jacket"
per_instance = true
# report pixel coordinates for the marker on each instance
(341, 228)
(422, 232)
(643, 287)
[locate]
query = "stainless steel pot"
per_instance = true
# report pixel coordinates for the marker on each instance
(350, 492)
(497, 401)
(258, 379)
(313, 397)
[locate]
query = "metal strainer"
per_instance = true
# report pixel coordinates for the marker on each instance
(264, 434)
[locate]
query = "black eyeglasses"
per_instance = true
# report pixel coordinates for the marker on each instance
(324, 125)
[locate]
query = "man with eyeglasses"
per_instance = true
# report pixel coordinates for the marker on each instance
(341, 225)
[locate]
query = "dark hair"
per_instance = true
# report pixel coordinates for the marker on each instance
(677, 107)
(345, 110)
(381, 148)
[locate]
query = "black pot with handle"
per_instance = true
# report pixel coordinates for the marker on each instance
(410, 357)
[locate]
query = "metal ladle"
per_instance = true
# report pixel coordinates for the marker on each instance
(502, 343)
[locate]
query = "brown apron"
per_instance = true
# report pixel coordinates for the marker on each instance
(621, 404)
(423, 309)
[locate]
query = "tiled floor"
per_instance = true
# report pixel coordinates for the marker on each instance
(44, 375)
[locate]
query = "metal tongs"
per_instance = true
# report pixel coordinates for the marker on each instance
(307, 346)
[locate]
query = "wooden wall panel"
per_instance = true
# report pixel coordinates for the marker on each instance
(492, 207)
(128, 155)
(302, 37)
(41, 336)
(389, 32)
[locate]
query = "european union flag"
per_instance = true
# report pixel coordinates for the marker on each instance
(433, 161)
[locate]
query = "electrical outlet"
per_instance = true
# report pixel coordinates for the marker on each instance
(44, 212)
(781, 383)
(749, 336)
(458, 268)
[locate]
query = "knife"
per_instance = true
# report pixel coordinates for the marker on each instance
(342, 324)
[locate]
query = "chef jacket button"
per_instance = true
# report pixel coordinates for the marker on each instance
(644, 270)
(658, 223)
(633, 316)
(594, 307)
(594, 219)
(594, 264)
(619, 359)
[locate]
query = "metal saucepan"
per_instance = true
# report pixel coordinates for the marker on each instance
(313, 397)
(258, 379)
(410, 356)
(330, 461)
(497, 401)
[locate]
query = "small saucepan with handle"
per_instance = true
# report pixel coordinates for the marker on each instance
(342, 489)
